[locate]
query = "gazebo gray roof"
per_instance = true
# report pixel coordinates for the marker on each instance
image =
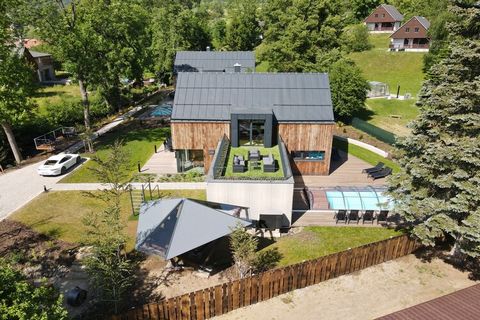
(219, 61)
(170, 227)
(211, 96)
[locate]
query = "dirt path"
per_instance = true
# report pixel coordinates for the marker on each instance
(367, 294)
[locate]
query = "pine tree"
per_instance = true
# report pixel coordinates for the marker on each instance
(438, 189)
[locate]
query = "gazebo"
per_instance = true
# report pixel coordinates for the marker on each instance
(171, 227)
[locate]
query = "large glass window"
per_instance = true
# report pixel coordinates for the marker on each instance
(189, 159)
(251, 132)
(308, 155)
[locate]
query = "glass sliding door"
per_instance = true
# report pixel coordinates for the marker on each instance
(251, 132)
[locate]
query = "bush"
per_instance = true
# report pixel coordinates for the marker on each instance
(355, 38)
(68, 113)
(21, 300)
(266, 260)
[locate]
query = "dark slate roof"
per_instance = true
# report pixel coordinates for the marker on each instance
(423, 21)
(289, 96)
(393, 12)
(170, 227)
(220, 61)
(463, 304)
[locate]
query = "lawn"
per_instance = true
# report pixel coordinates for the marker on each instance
(59, 213)
(391, 115)
(138, 143)
(254, 173)
(393, 68)
(364, 154)
(58, 95)
(314, 242)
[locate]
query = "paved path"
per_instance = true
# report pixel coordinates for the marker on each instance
(162, 162)
(19, 186)
(161, 186)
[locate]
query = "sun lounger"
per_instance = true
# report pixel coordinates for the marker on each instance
(341, 216)
(380, 174)
(382, 216)
(353, 215)
(378, 167)
(368, 216)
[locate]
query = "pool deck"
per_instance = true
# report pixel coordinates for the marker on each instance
(345, 172)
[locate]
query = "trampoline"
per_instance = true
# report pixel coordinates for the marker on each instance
(358, 199)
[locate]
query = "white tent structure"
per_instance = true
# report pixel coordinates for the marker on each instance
(170, 227)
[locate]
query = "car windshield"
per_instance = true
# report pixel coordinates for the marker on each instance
(50, 162)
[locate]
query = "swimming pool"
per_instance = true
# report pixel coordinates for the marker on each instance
(361, 199)
(163, 110)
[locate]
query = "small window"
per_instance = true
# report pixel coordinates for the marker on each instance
(309, 155)
(416, 29)
(376, 15)
(407, 29)
(383, 15)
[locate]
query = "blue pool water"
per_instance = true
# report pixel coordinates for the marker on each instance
(358, 200)
(163, 110)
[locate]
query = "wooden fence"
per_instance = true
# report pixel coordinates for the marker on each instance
(220, 299)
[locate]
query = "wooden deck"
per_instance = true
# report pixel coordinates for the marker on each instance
(326, 218)
(345, 172)
(162, 162)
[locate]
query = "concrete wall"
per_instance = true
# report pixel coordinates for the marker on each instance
(260, 197)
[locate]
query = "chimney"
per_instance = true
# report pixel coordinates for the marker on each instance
(237, 67)
(208, 48)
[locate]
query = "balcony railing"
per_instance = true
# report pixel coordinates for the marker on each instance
(383, 29)
(409, 46)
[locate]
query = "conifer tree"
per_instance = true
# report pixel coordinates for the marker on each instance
(438, 189)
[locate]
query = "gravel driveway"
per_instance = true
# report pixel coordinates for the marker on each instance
(19, 186)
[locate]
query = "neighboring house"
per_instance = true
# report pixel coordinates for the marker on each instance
(29, 43)
(254, 109)
(412, 36)
(43, 63)
(214, 61)
(385, 18)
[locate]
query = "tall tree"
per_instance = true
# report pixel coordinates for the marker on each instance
(98, 41)
(362, 8)
(296, 30)
(243, 30)
(16, 78)
(109, 267)
(176, 27)
(437, 190)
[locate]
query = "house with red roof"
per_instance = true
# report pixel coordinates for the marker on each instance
(412, 36)
(384, 19)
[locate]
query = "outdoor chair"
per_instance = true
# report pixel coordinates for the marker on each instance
(353, 215)
(382, 216)
(254, 155)
(239, 164)
(368, 216)
(378, 167)
(341, 216)
(380, 174)
(269, 164)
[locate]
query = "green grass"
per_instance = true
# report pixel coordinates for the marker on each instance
(379, 113)
(364, 154)
(59, 213)
(393, 68)
(314, 242)
(58, 95)
(138, 143)
(250, 173)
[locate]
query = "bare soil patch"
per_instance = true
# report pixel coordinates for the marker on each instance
(367, 294)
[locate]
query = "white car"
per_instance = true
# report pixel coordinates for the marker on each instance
(58, 164)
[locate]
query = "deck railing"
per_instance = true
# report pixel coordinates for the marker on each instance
(409, 46)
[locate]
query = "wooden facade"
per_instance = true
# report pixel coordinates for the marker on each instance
(407, 31)
(308, 137)
(380, 15)
(199, 136)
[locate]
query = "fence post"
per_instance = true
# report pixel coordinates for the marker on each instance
(150, 188)
(131, 199)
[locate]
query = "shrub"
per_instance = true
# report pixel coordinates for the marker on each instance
(266, 260)
(355, 38)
